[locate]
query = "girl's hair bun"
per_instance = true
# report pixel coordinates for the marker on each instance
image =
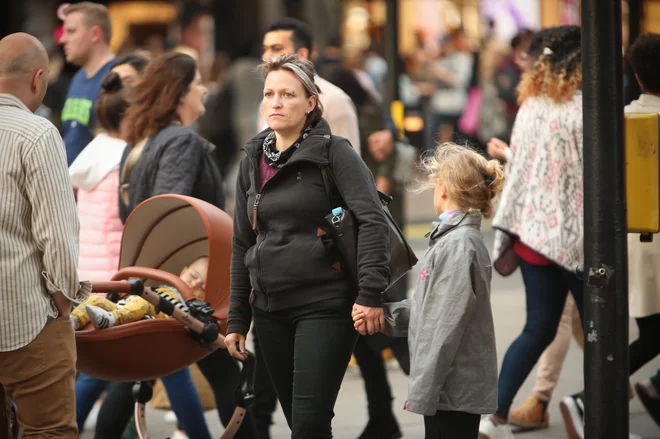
(112, 83)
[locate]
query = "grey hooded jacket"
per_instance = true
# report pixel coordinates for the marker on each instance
(451, 335)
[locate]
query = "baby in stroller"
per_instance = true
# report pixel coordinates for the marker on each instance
(104, 313)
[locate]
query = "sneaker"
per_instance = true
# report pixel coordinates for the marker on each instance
(100, 318)
(572, 410)
(489, 429)
(531, 415)
(648, 395)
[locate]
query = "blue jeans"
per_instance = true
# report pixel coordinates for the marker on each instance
(546, 288)
(181, 392)
(88, 391)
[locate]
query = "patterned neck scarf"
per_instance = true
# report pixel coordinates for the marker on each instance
(277, 159)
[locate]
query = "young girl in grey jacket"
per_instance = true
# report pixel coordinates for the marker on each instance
(453, 373)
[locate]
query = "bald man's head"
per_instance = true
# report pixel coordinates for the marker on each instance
(24, 68)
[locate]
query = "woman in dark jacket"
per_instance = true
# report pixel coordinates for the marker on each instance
(283, 272)
(167, 157)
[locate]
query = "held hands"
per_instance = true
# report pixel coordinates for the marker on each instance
(368, 320)
(236, 345)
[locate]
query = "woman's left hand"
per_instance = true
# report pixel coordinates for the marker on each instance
(368, 320)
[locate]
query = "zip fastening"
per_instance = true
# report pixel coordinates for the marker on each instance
(254, 215)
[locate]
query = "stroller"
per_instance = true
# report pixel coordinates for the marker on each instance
(161, 236)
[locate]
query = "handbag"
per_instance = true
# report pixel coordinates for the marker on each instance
(343, 229)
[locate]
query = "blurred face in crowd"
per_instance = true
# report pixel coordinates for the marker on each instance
(78, 38)
(280, 42)
(285, 104)
(191, 106)
(127, 73)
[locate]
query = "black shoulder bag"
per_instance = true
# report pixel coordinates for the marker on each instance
(343, 229)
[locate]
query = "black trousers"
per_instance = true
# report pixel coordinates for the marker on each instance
(368, 353)
(306, 351)
(220, 370)
(452, 425)
(647, 345)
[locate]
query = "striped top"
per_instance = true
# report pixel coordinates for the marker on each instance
(38, 224)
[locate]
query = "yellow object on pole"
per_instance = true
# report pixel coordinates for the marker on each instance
(397, 112)
(643, 173)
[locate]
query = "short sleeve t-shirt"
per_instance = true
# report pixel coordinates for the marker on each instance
(78, 113)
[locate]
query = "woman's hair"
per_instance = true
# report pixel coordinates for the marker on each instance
(165, 81)
(304, 71)
(112, 103)
(557, 69)
(471, 180)
(135, 60)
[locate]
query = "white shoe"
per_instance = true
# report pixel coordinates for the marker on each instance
(170, 417)
(488, 429)
(100, 318)
(178, 434)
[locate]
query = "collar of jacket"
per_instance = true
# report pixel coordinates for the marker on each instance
(314, 148)
(459, 219)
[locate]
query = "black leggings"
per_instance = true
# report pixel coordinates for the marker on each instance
(369, 356)
(647, 346)
(306, 351)
(220, 370)
(452, 425)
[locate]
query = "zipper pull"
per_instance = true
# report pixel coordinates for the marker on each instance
(254, 212)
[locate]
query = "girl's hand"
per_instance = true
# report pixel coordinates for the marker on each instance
(373, 318)
(359, 323)
(236, 345)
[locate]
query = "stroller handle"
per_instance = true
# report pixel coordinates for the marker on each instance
(119, 286)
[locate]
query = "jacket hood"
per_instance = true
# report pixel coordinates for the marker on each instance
(460, 219)
(99, 158)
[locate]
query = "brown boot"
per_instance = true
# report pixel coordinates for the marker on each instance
(531, 415)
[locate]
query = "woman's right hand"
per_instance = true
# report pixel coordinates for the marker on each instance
(497, 149)
(236, 345)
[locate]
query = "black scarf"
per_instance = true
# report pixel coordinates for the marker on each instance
(277, 159)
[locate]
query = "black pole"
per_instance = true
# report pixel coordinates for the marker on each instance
(392, 50)
(635, 13)
(605, 243)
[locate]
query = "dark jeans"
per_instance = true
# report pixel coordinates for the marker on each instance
(265, 398)
(88, 391)
(118, 407)
(369, 356)
(647, 346)
(546, 288)
(452, 425)
(306, 351)
(220, 370)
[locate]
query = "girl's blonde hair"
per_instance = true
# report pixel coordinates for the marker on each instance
(471, 180)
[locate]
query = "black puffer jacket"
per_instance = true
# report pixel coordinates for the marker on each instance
(174, 161)
(290, 266)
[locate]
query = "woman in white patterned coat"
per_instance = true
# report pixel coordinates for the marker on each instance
(540, 217)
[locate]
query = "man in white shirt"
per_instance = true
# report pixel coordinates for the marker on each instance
(39, 250)
(290, 35)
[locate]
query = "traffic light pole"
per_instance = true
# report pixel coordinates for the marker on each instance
(605, 230)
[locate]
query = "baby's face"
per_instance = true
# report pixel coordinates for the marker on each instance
(195, 276)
